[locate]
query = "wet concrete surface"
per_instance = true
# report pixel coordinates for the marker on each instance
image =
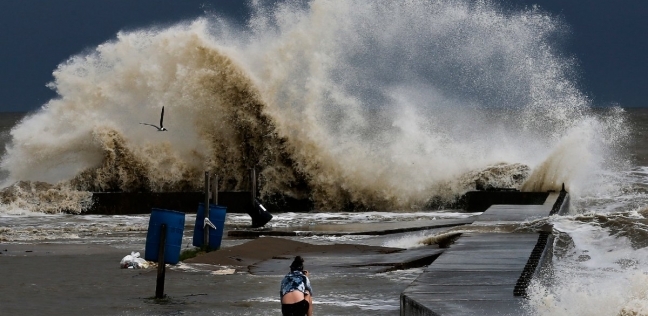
(513, 213)
(480, 273)
(475, 276)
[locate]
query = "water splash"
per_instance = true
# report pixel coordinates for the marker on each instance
(598, 267)
(379, 105)
(39, 197)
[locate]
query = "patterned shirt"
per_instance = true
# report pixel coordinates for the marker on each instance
(295, 281)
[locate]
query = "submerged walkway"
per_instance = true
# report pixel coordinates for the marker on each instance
(352, 229)
(485, 273)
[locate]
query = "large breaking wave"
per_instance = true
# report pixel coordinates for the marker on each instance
(374, 105)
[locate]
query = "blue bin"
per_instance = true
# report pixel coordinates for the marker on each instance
(175, 228)
(217, 217)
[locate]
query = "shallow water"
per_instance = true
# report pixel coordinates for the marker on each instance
(246, 294)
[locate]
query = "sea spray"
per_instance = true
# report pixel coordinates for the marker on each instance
(581, 155)
(408, 97)
(353, 105)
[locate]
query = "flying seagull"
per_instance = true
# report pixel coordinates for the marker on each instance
(161, 127)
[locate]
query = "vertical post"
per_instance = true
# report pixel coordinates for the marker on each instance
(253, 189)
(161, 270)
(214, 190)
(206, 212)
(257, 212)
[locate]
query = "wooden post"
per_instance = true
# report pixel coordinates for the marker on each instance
(206, 213)
(161, 270)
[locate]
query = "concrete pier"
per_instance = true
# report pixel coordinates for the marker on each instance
(476, 276)
(123, 203)
(486, 273)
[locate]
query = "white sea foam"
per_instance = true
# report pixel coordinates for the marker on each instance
(67, 228)
(598, 273)
(362, 302)
(410, 241)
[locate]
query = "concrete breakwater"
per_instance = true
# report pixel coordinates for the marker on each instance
(123, 203)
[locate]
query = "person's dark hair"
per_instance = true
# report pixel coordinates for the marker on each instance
(298, 264)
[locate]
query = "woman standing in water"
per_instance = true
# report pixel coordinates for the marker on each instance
(296, 292)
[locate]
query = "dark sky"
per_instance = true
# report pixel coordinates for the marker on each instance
(609, 39)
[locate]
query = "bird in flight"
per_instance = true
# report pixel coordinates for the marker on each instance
(161, 127)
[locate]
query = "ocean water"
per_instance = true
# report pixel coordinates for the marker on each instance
(389, 109)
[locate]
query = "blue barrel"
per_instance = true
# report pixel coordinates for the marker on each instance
(175, 228)
(217, 217)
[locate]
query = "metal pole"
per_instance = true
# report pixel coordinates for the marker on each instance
(161, 270)
(206, 212)
(214, 190)
(253, 188)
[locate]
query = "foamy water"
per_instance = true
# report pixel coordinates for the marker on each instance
(600, 272)
(381, 105)
(34, 227)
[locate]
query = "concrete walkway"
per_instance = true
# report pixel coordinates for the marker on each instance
(476, 276)
(352, 229)
(486, 273)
